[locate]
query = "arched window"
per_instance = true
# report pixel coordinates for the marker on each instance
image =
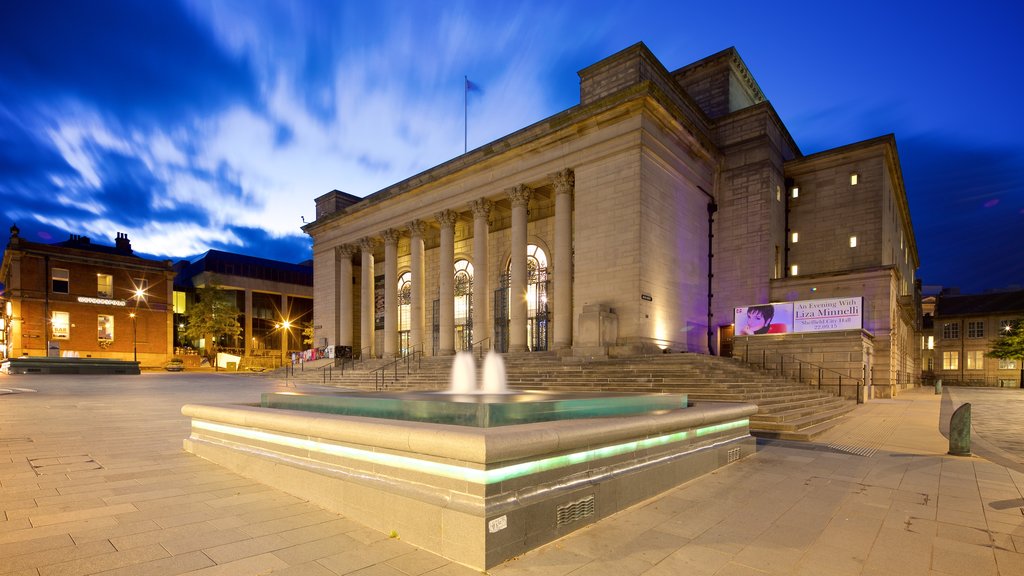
(536, 297)
(463, 305)
(404, 312)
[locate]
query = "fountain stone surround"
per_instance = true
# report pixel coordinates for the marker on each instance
(477, 496)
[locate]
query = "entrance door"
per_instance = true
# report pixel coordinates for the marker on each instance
(725, 338)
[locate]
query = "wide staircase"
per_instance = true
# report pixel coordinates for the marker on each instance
(787, 409)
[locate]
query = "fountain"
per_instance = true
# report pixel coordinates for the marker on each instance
(476, 473)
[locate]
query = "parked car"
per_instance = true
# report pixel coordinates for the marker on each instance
(174, 365)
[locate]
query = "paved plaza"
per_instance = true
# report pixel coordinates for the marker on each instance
(93, 480)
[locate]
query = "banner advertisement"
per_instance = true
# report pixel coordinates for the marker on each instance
(776, 318)
(828, 314)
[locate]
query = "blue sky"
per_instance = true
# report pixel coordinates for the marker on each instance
(215, 123)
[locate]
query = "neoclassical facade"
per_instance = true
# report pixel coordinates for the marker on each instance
(634, 221)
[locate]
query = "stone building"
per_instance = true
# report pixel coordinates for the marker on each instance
(634, 221)
(79, 298)
(964, 328)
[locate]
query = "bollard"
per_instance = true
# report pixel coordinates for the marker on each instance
(960, 431)
(938, 386)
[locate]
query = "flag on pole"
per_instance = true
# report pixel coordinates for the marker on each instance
(469, 87)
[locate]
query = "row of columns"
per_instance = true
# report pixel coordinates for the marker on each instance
(519, 196)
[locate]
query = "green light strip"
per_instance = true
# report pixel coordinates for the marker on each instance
(461, 472)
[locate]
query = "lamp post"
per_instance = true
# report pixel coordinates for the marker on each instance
(140, 296)
(135, 340)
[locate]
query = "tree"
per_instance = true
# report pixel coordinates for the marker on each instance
(213, 315)
(1009, 345)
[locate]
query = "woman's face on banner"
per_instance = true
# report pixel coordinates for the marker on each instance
(755, 321)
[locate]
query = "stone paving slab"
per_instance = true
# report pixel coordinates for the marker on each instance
(875, 495)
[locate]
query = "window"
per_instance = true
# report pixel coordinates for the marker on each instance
(104, 285)
(951, 360)
(793, 270)
(931, 364)
(976, 329)
(795, 237)
(180, 302)
(853, 179)
(853, 241)
(105, 327)
(975, 359)
(60, 326)
(931, 342)
(951, 330)
(1007, 363)
(796, 192)
(59, 281)
(778, 193)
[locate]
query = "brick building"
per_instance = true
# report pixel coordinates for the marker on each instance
(637, 220)
(78, 298)
(964, 327)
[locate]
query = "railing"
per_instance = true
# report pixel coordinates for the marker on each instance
(805, 372)
(410, 355)
(479, 347)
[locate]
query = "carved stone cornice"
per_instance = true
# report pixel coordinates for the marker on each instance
(347, 250)
(520, 195)
(564, 181)
(481, 208)
(391, 236)
(368, 244)
(417, 228)
(447, 219)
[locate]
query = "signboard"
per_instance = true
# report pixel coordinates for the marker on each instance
(828, 314)
(776, 318)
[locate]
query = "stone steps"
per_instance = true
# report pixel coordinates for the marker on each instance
(786, 409)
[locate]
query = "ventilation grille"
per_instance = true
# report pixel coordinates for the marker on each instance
(732, 455)
(575, 511)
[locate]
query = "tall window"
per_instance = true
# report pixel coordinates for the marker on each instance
(976, 329)
(951, 360)
(405, 310)
(536, 297)
(60, 326)
(463, 305)
(1007, 363)
(975, 359)
(59, 281)
(104, 285)
(951, 330)
(105, 328)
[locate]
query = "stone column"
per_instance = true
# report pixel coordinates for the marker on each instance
(520, 198)
(366, 340)
(345, 303)
(416, 333)
(481, 287)
(249, 344)
(391, 237)
(565, 182)
(446, 282)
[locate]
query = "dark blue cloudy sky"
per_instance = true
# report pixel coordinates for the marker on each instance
(215, 123)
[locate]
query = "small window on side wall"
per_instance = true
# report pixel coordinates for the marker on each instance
(60, 281)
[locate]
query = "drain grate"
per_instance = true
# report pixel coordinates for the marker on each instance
(732, 455)
(575, 511)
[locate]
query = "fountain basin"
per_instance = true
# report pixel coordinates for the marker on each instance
(478, 410)
(475, 495)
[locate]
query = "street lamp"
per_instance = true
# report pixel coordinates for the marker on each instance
(135, 341)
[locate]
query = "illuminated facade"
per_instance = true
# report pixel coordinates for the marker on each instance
(964, 327)
(268, 293)
(634, 221)
(80, 299)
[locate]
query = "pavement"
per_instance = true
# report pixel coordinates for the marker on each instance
(93, 480)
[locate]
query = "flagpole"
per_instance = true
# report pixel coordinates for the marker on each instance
(465, 114)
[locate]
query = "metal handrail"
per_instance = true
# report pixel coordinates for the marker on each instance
(821, 370)
(480, 354)
(380, 374)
